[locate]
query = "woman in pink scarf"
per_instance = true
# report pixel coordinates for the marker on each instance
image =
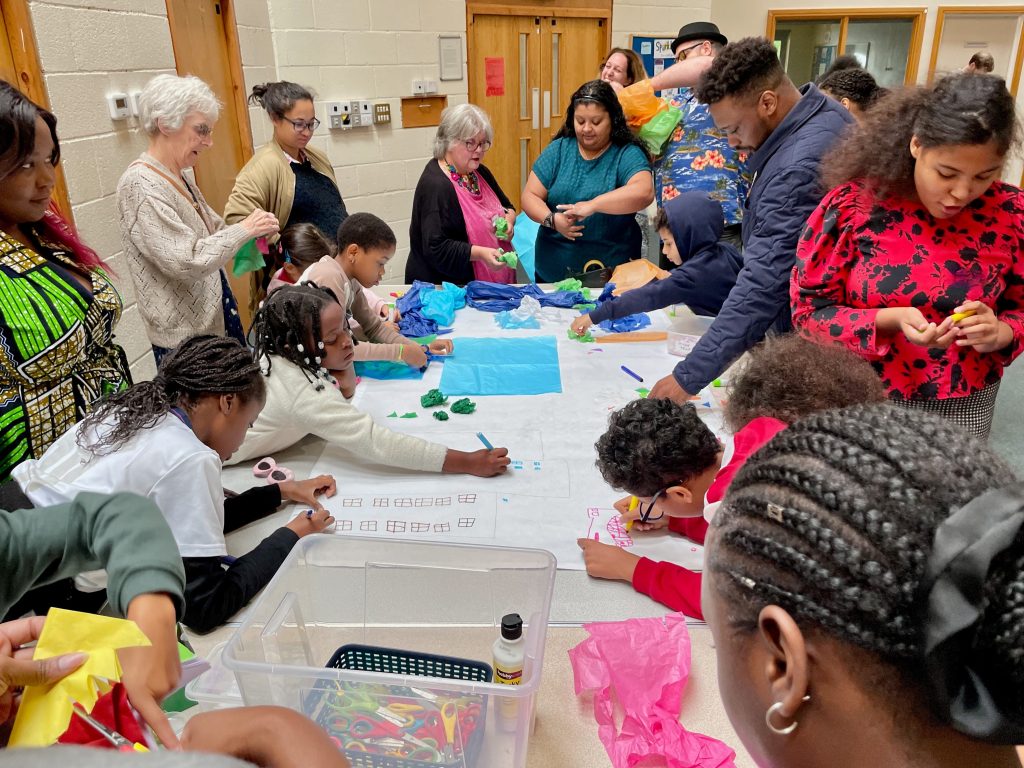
(456, 205)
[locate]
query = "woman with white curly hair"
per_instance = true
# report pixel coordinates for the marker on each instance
(175, 244)
(457, 204)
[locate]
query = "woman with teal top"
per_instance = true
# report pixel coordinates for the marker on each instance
(586, 188)
(58, 307)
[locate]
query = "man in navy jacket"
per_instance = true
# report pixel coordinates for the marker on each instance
(788, 130)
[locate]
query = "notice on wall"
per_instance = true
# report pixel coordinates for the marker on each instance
(494, 74)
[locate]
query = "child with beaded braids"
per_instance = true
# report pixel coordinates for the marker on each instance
(664, 455)
(865, 593)
(166, 439)
(304, 346)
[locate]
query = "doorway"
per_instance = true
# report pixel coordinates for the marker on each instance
(205, 41)
(997, 30)
(886, 42)
(19, 66)
(522, 71)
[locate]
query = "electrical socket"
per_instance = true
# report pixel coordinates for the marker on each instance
(381, 113)
(419, 87)
(339, 115)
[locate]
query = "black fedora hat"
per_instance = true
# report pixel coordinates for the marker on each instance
(699, 30)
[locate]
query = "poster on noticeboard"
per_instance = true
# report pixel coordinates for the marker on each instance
(656, 54)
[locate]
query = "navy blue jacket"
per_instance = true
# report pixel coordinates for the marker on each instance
(706, 275)
(783, 193)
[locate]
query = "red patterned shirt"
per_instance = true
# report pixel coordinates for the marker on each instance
(860, 253)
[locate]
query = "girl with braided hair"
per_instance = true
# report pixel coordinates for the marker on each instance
(864, 588)
(166, 439)
(915, 259)
(304, 346)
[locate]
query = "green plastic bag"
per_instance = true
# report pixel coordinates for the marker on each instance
(659, 128)
(248, 259)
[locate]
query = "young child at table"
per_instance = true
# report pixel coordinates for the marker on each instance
(365, 246)
(690, 227)
(166, 439)
(304, 245)
(665, 456)
(304, 347)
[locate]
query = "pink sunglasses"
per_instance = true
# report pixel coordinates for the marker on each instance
(269, 469)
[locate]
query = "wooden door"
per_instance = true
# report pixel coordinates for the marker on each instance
(8, 69)
(543, 59)
(509, 46)
(205, 41)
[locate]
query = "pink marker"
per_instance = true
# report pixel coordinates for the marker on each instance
(597, 536)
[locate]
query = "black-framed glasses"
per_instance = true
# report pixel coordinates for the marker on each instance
(472, 145)
(646, 508)
(681, 55)
(304, 125)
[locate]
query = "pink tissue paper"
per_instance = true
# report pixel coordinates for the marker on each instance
(640, 668)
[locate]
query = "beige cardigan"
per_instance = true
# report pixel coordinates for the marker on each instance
(173, 258)
(267, 182)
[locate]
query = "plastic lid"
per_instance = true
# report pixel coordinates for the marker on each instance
(511, 626)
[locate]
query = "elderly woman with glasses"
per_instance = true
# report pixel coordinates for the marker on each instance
(286, 176)
(175, 244)
(460, 216)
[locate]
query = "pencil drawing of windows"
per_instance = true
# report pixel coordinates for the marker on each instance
(467, 498)
(443, 501)
(419, 527)
(344, 525)
(351, 502)
(442, 527)
(396, 526)
(424, 502)
(403, 502)
(467, 522)
(367, 525)
(381, 502)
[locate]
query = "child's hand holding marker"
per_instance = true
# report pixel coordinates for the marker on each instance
(311, 521)
(628, 509)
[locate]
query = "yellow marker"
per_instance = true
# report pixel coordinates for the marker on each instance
(957, 317)
(634, 502)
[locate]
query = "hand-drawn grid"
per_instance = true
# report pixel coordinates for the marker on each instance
(459, 515)
(396, 526)
(614, 527)
(381, 502)
(442, 527)
(419, 527)
(467, 522)
(367, 525)
(467, 498)
(443, 501)
(356, 502)
(423, 501)
(403, 502)
(344, 525)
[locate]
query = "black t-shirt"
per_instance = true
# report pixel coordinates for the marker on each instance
(317, 201)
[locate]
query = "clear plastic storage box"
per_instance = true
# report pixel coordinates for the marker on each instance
(685, 331)
(422, 599)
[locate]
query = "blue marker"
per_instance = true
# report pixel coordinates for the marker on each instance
(485, 441)
(309, 514)
(634, 375)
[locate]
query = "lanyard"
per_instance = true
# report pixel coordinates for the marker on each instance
(180, 413)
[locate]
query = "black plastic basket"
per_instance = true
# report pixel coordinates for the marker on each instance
(368, 658)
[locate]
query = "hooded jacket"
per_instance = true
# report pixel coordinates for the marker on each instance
(707, 273)
(784, 191)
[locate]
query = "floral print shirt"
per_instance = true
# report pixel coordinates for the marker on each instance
(698, 157)
(860, 253)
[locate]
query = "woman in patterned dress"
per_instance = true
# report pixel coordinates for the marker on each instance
(914, 259)
(58, 306)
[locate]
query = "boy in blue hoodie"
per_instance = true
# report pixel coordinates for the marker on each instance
(690, 227)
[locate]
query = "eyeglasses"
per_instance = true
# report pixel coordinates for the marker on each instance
(302, 125)
(472, 145)
(681, 56)
(203, 130)
(646, 508)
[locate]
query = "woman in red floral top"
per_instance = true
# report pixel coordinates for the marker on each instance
(914, 259)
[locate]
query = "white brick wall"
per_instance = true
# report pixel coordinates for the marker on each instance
(341, 49)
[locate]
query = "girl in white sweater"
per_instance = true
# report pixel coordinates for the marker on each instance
(304, 347)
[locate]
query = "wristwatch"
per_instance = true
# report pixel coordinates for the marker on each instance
(549, 221)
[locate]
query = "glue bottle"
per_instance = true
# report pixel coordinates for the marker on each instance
(509, 652)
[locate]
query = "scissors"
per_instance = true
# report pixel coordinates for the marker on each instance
(120, 742)
(371, 726)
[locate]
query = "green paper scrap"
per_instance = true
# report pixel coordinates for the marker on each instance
(463, 406)
(643, 391)
(569, 284)
(393, 415)
(248, 259)
(584, 307)
(581, 337)
(441, 415)
(424, 339)
(586, 294)
(716, 383)
(409, 415)
(433, 398)
(501, 230)
(511, 258)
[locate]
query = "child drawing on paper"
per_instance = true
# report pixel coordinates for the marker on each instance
(663, 454)
(303, 346)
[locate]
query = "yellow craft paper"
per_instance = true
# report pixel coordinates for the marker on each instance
(45, 710)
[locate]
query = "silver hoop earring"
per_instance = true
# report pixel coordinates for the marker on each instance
(774, 709)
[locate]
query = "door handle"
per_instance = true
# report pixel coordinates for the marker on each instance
(547, 109)
(535, 93)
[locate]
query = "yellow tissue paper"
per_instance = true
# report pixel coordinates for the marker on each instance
(45, 710)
